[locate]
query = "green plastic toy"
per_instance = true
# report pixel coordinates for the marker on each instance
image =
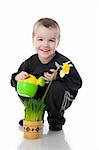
(29, 86)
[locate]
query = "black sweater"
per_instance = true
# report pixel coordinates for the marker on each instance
(33, 66)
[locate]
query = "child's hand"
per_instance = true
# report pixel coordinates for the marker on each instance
(48, 76)
(21, 76)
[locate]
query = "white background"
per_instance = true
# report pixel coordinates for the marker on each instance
(78, 20)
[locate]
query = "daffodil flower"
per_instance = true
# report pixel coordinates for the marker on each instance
(65, 69)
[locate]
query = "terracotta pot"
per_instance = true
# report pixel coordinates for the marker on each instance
(32, 130)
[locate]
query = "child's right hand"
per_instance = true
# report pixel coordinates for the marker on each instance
(21, 76)
(48, 76)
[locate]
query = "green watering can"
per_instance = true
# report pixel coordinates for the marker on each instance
(29, 86)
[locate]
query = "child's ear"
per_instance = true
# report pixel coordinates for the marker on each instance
(32, 40)
(57, 43)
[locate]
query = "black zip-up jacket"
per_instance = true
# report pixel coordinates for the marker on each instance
(33, 66)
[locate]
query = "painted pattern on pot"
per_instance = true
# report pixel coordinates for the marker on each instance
(32, 130)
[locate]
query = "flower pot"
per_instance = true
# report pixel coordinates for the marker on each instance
(32, 129)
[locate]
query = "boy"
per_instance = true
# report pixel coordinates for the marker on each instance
(46, 37)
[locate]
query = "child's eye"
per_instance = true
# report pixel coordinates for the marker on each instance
(52, 40)
(40, 39)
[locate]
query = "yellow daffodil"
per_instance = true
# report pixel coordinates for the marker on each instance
(65, 69)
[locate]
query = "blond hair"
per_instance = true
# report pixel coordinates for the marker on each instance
(48, 23)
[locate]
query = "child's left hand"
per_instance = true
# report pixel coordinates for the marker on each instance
(51, 75)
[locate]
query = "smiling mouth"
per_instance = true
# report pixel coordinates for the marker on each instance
(44, 50)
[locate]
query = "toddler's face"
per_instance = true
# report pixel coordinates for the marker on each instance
(45, 42)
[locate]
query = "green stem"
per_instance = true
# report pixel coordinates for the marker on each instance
(46, 90)
(49, 84)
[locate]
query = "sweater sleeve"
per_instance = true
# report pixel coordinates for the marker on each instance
(23, 67)
(72, 81)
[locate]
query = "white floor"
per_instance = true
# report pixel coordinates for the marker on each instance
(80, 131)
(49, 140)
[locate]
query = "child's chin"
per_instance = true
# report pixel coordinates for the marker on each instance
(45, 55)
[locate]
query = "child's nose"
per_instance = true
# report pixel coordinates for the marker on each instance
(45, 43)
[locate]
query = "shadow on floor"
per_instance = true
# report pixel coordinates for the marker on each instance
(49, 141)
